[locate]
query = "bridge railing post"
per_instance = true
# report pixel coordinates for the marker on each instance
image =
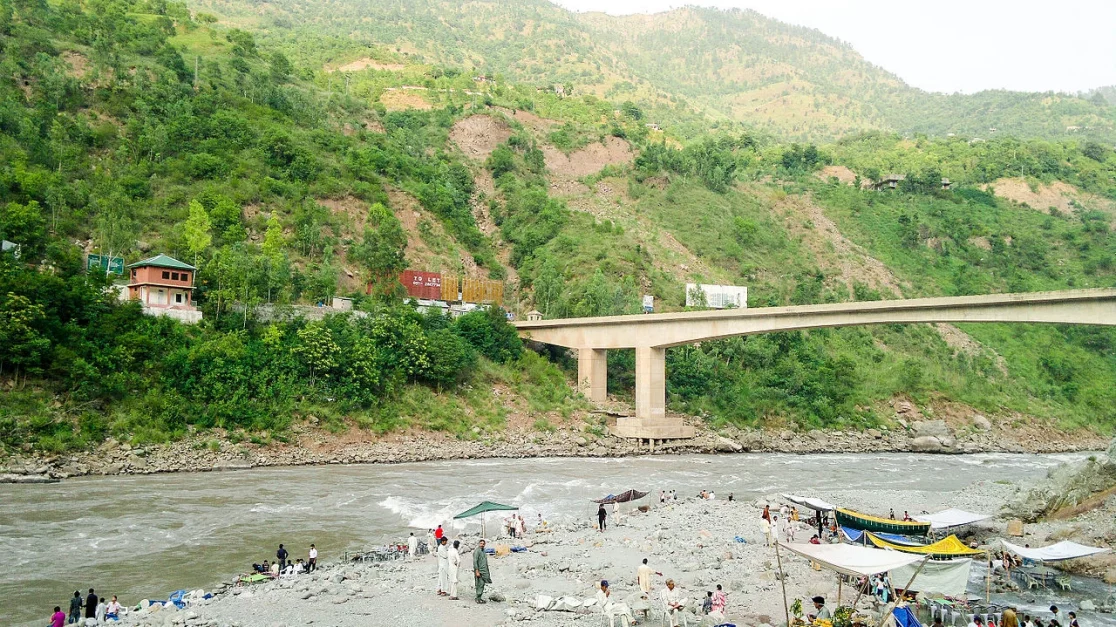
(592, 373)
(650, 383)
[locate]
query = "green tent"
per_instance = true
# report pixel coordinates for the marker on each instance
(484, 508)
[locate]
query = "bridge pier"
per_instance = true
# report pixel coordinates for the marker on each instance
(650, 383)
(592, 373)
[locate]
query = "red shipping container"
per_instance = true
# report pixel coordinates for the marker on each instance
(421, 284)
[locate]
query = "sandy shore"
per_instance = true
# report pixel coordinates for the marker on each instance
(691, 541)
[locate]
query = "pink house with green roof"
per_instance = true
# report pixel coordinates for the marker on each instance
(165, 286)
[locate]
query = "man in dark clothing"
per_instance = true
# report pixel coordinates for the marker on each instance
(91, 605)
(75, 607)
(282, 555)
(481, 575)
(601, 515)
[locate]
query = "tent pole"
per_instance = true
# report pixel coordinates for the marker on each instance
(988, 578)
(782, 581)
(895, 598)
(838, 589)
(859, 592)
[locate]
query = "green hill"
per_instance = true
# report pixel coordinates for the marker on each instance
(139, 128)
(728, 66)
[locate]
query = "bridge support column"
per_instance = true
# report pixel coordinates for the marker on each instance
(592, 373)
(650, 383)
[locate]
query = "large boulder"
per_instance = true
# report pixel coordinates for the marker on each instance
(935, 428)
(1067, 485)
(926, 444)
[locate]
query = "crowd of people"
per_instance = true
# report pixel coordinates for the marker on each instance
(90, 610)
(284, 565)
(94, 610)
(1010, 618)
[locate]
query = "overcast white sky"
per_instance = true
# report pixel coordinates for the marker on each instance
(949, 45)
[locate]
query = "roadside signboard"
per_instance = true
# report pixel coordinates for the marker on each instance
(105, 263)
(648, 303)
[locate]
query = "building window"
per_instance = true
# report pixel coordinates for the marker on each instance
(185, 276)
(178, 298)
(166, 275)
(174, 276)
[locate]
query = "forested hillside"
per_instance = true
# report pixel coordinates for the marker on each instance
(725, 66)
(289, 170)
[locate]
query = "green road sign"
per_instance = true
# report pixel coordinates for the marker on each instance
(98, 262)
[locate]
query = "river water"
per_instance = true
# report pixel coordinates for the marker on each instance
(144, 536)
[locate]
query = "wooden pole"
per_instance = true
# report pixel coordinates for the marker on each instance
(988, 579)
(838, 589)
(783, 581)
(895, 599)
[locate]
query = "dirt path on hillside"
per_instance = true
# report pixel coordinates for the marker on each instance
(367, 63)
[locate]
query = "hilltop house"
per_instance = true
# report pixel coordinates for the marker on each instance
(164, 285)
(889, 181)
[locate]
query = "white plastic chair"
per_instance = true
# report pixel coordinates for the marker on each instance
(666, 613)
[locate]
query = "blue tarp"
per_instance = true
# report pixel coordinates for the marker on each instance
(856, 535)
(904, 617)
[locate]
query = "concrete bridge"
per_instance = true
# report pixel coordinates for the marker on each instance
(651, 334)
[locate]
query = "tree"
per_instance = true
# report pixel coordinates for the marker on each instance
(1095, 151)
(501, 161)
(198, 230)
(549, 288)
(316, 350)
(631, 110)
(489, 332)
(277, 268)
(21, 345)
(23, 224)
(280, 67)
(382, 252)
(449, 356)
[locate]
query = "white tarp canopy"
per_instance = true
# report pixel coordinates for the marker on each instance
(817, 505)
(951, 518)
(1065, 550)
(949, 578)
(853, 560)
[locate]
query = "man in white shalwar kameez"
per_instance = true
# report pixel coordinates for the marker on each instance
(412, 546)
(674, 601)
(443, 567)
(454, 562)
(613, 608)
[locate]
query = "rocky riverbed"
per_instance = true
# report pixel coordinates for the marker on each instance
(692, 541)
(913, 431)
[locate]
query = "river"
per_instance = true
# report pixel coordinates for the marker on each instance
(144, 536)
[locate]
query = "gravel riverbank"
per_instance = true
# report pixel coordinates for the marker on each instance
(691, 541)
(948, 433)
